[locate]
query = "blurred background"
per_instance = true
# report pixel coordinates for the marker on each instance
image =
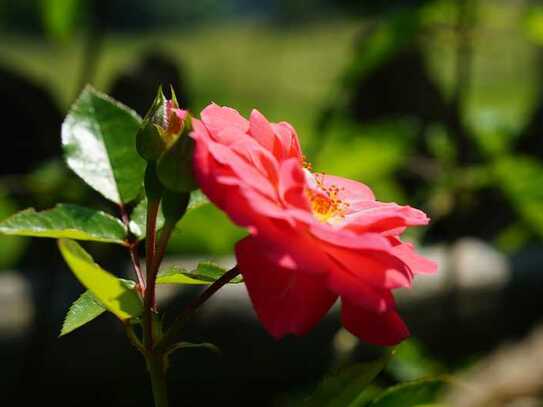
(437, 104)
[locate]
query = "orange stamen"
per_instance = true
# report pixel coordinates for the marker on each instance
(326, 204)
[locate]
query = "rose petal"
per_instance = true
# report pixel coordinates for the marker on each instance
(286, 301)
(416, 263)
(380, 269)
(289, 140)
(217, 118)
(350, 191)
(383, 329)
(247, 173)
(261, 130)
(390, 219)
(292, 184)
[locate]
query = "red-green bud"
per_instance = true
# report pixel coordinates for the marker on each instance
(161, 127)
(174, 167)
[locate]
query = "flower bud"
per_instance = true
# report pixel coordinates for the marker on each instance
(174, 167)
(161, 127)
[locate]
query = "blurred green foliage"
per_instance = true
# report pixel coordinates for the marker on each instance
(11, 247)
(294, 74)
(412, 362)
(60, 17)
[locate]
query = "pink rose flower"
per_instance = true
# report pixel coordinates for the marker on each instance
(313, 237)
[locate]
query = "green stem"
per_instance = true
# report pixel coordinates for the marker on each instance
(149, 297)
(156, 365)
(132, 337)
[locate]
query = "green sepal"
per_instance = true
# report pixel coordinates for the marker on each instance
(174, 167)
(174, 205)
(149, 143)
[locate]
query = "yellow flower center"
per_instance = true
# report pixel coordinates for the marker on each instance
(326, 205)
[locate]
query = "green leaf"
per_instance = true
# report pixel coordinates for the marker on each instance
(66, 221)
(86, 308)
(83, 310)
(409, 394)
(99, 140)
(411, 361)
(190, 345)
(115, 295)
(138, 220)
(138, 217)
(197, 199)
(206, 273)
(346, 387)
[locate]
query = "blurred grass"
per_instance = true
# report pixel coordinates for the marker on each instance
(289, 73)
(285, 73)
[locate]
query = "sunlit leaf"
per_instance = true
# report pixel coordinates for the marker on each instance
(66, 221)
(99, 140)
(83, 310)
(115, 295)
(86, 308)
(206, 273)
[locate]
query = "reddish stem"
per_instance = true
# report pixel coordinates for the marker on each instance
(169, 337)
(149, 300)
(150, 252)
